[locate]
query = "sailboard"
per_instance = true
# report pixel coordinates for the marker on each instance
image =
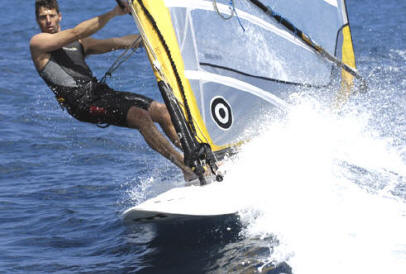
(220, 64)
(192, 202)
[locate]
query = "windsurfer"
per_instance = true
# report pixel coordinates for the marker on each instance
(59, 57)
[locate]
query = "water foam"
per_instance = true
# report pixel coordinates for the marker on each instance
(323, 184)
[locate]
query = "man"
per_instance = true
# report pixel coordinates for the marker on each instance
(58, 56)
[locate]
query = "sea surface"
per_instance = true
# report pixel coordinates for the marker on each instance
(321, 192)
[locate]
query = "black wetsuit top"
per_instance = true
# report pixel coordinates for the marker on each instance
(66, 70)
(70, 78)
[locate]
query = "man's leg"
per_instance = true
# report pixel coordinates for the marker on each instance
(141, 119)
(159, 114)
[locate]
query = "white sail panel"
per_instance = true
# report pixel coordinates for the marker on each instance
(254, 51)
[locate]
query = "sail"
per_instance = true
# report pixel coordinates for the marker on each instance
(227, 62)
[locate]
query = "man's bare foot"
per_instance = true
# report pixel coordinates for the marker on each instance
(192, 176)
(189, 176)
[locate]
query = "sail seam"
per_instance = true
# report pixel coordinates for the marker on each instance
(265, 78)
(241, 85)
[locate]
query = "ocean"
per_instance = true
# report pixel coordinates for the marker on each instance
(322, 192)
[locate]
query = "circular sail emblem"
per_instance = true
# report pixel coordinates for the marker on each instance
(221, 112)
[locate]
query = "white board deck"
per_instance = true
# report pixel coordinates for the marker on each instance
(190, 202)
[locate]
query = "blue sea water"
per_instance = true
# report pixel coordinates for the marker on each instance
(64, 184)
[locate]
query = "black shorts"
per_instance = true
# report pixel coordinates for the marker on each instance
(103, 105)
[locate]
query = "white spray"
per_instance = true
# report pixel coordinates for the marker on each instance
(323, 184)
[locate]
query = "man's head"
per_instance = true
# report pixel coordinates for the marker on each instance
(48, 15)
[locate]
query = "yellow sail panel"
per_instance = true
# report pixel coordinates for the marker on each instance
(154, 21)
(348, 58)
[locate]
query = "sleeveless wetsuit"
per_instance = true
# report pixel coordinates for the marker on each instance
(69, 77)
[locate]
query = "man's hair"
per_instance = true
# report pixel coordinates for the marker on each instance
(49, 4)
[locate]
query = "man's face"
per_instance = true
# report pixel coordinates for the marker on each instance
(48, 20)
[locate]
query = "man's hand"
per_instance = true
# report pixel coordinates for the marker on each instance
(121, 9)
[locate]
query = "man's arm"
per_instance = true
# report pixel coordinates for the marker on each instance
(46, 42)
(95, 46)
